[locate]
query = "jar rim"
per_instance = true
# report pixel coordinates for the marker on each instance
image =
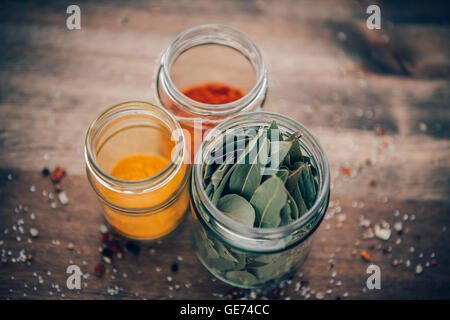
(201, 108)
(116, 112)
(252, 232)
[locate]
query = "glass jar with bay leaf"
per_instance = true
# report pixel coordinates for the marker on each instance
(260, 187)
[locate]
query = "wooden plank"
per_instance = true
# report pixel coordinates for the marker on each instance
(325, 69)
(343, 102)
(137, 276)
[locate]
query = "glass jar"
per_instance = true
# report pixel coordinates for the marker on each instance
(250, 257)
(210, 54)
(143, 209)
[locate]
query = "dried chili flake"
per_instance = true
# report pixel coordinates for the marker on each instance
(99, 270)
(113, 246)
(57, 174)
(366, 256)
(379, 131)
(434, 262)
(105, 237)
(346, 170)
(372, 183)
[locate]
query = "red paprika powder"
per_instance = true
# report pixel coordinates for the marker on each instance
(214, 93)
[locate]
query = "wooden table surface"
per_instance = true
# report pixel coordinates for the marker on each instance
(378, 96)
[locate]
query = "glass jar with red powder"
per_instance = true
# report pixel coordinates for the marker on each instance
(210, 73)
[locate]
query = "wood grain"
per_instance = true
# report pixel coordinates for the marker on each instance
(326, 70)
(137, 276)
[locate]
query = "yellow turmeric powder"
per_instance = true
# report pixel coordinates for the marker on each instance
(138, 167)
(157, 222)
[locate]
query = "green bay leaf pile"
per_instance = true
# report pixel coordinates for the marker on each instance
(261, 179)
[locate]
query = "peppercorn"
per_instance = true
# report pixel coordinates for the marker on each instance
(107, 253)
(45, 172)
(133, 248)
(174, 267)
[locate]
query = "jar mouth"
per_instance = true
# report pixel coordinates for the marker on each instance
(128, 109)
(261, 119)
(207, 34)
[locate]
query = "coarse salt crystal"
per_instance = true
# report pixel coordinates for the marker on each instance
(63, 198)
(398, 226)
(419, 269)
(103, 229)
(382, 233)
(34, 232)
(320, 295)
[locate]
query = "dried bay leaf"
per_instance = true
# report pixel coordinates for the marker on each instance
(274, 133)
(237, 208)
(217, 176)
(223, 182)
(208, 171)
(278, 151)
(273, 265)
(268, 200)
(285, 215)
(227, 259)
(233, 141)
(209, 189)
(299, 201)
(283, 174)
(310, 189)
(224, 253)
(242, 277)
(292, 185)
(208, 246)
(294, 176)
(295, 153)
(268, 271)
(247, 177)
(295, 214)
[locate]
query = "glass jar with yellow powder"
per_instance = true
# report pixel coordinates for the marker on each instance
(136, 161)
